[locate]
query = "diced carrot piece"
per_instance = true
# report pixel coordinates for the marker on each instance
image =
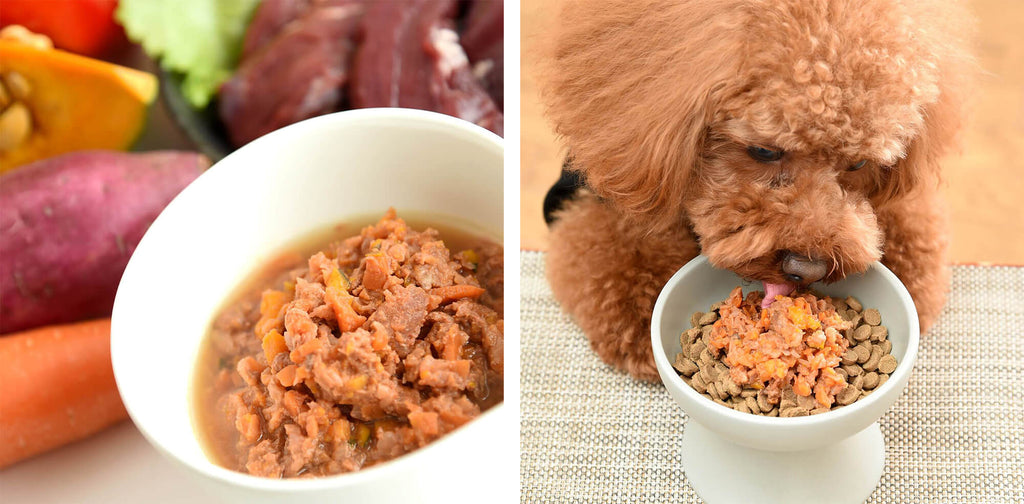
(339, 431)
(375, 271)
(340, 302)
(286, 376)
(455, 292)
(310, 347)
(425, 422)
(273, 344)
(249, 427)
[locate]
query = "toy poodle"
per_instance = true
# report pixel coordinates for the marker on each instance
(790, 141)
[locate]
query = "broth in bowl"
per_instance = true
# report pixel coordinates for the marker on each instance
(336, 357)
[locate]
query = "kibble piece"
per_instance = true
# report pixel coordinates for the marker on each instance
(708, 318)
(741, 407)
(862, 333)
(689, 337)
(886, 347)
(882, 379)
(850, 357)
(848, 395)
(705, 358)
(857, 382)
(695, 319)
(696, 349)
(699, 384)
(863, 353)
(879, 333)
(793, 412)
(806, 402)
(854, 304)
(723, 403)
(684, 365)
(871, 380)
(748, 392)
(853, 370)
(731, 386)
(865, 393)
(871, 316)
(887, 364)
(842, 372)
(773, 413)
(762, 402)
(705, 334)
(710, 372)
(840, 305)
(876, 356)
(752, 405)
(820, 409)
(717, 305)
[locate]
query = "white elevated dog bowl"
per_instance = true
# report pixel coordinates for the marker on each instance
(733, 457)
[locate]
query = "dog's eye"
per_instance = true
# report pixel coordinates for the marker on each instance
(764, 155)
(860, 164)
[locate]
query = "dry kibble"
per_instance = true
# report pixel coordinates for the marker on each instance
(705, 358)
(708, 318)
(871, 316)
(820, 409)
(857, 382)
(695, 319)
(876, 356)
(692, 335)
(773, 413)
(742, 407)
(863, 353)
(762, 402)
(699, 384)
(871, 380)
(848, 395)
(713, 389)
(793, 412)
(842, 372)
(882, 379)
(840, 305)
(705, 333)
(710, 372)
(752, 405)
(887, 364)
(722, 368)
(862, 333)
(853, 370)
(730, 385)
(854, 304)
(723, 403)
(806, 402)
(696, 349)
(879, 333)
(685, 366)
(886, 347)
(717, 305)
(748, 392)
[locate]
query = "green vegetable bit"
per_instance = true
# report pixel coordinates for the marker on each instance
(198, 38)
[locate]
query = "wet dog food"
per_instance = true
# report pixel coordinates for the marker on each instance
(369, 348)
(802, 355)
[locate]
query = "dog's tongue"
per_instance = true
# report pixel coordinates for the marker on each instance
(774, 289)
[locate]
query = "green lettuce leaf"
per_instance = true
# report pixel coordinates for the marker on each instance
(200, 39)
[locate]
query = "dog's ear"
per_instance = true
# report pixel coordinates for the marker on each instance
(951, 41)
(632, 93)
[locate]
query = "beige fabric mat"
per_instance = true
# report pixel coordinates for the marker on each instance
(591, 434)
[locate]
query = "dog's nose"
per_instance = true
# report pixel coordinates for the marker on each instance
(802, 269)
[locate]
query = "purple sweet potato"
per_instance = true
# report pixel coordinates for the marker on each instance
(68, 225)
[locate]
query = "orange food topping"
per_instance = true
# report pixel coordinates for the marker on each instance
(795, 342)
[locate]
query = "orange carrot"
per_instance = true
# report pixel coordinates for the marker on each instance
(58, 387)
(455, 292)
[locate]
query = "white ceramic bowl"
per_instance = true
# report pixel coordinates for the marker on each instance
(282, 186)
(697, 285)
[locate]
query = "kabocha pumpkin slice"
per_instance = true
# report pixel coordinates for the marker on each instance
(55, 102)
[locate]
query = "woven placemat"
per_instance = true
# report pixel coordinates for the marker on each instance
(592, 434)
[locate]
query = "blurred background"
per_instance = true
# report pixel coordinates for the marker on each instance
(984, 185)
